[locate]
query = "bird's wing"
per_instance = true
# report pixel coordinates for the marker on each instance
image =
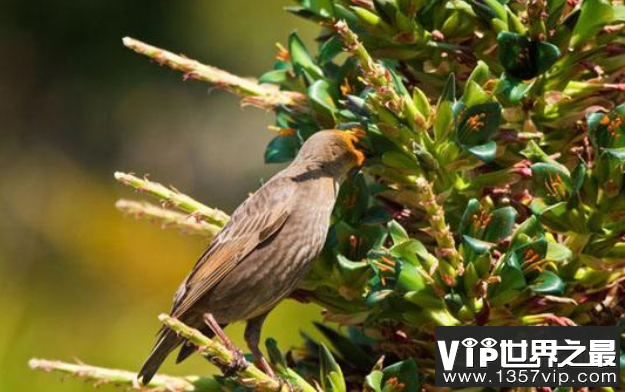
(253, 222)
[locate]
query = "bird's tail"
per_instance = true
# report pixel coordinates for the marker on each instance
(167, 342)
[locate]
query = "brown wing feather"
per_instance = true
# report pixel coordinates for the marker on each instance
(260, 216)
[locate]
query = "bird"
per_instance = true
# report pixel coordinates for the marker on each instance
(267, 247)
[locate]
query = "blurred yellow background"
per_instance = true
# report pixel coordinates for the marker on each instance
(77, 279)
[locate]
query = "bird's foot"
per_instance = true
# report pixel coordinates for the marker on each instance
(265, 366)
(239, 363)
(285, 382)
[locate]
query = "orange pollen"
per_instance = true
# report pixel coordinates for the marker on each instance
(613, 126)
(283, 54)
(286, 132)
(475, 122)
(555, 186)
(382, 267)
(346, 88)
(388, 261)
(482, 220)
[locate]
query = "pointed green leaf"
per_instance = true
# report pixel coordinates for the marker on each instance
(282, 149)
(485, 152)
(321, 99)
(548, 283)
(500, 224)
(303, 62)
(513, 89)
(594, 15)
(552, 182)
(405, 373)
(477, 124)
(524, 58)
(374, 380)
(330, 375)
(346, 348)
(323, 8)
(330, 49)
(398, 233)
(277, 76)
(408, 277)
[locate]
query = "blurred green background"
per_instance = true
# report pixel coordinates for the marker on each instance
(77, 279)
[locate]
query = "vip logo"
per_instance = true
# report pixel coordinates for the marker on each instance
(487, 353)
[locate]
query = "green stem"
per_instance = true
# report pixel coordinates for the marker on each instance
(265, 96)
(218, 354)
(123, 378)
(168, 219)
(174, 198)
(440, 231)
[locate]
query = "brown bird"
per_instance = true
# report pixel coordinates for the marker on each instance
(264, 251)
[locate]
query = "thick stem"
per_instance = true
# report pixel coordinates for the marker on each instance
(440, 231)
(379, 78)
(265, 96)
(168, 219)
(218, 354)
(174, 198)
(123, 378)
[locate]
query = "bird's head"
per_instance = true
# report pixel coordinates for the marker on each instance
(334, 151)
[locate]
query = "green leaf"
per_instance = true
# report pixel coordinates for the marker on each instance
(322, 101)
(421, 102)
(449, 90)
(478, 246)
(330, 375)
(607, 130)
(617, 153)
(275, 355)
(490, 10)
(371, 21)
(397, 232)
(528, 230)
(594, 15)
(330, 49)
(303, 62)
(473, 94)
(500, 224)
(524, 58)
(468, 216)
(399, 160)
(512, 281)
(485, 152)
(374, 380)
(513, 89)
(558, 252)
(480, 74)
(443, 121)
(477, 124)
(323, 8)
(353, 199)
(548, 283)
(277, 76)
(408, 277)
(345, 348)
(552, 182)
(405, 372)
(282, 149)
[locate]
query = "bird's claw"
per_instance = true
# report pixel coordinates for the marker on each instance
(238, 364)
(284, 381)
